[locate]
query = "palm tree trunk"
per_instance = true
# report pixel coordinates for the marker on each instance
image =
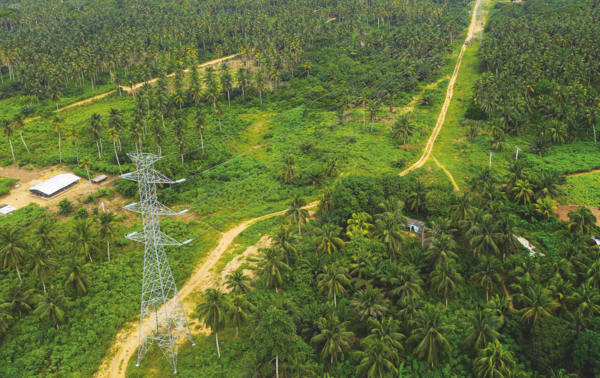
(364, 120)
(44, 285)
(77, 152)
(277, 365)
(299, 230)
(59, 147)
(202, 142)
(260, 95)
(117, 156)
(91, 188)
(594, 127)
(236, 331)
(220, 124)
(11, 150)
(108, 249)
(228, 100)
(18, 273)
(334, 301)
(98, 147)
(218, 350)
(22, 140)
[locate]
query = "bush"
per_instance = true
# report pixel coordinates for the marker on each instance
(6, 183)
(81, 213)
(551, 344)
(356, 193)
(127, 188)
(586, 352)
(474, 112)
(65, 207)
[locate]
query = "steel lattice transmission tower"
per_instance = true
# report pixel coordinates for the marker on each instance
(162, 319)
(478, 18)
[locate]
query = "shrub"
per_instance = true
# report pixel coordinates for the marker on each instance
(81, 213)
(551, 344)
(586, 351)
(65, 207)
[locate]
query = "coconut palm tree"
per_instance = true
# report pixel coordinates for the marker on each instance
(582, 220)
(441, 250)
(402, 128)
(273, 269)
(237, 311)
(288, 169)
(376, 360)
(4, 318)
(481, 329)
(327, 238)
(296, 211)
(335, 279)
(107, 230)
(333, 337)
(19, 124)
(407, 283)
(284, 239)
(44, 234)
(212, 312)
(54, 94)
(523, 190)
(538, 303)
(485, 235)
(374, 107)
(494, 362)
(12, 248)
(388, 231)
(95, 131)
(500, 307)
(238, 282)
(57, 123)
(488, 274)
(84, 238)
(445, 279)
(429, 336)
(417, 196)
(8, 131)
(369, 302)
(76, 279)
(115, 136)
(19, 297)
(41, 264)
(546, 207)
(360, 224)
(52, 306)
(87, 164)
(386, 331)
(587, 300)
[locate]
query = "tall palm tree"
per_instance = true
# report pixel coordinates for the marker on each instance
(44, 234)
(582, 220)
(369, 302)
(288, 169)
(324, 205)
(76, 276)
(238, 282)
(481, 329)
(327, 238)
(54, 94)
(52, 305)
(360, 224)
(4, 318)
(441, 250)
(334, 278)
(95, 131)
(333, 337)
(41, 264)
(57, 123)
(386, 331)
(523, 190)
(87, 164)
(500, 307)
(273, 269)
(237, 311)
(374, 107)
(19, 297)
(284, 239)
(494, 362)
(212, 311)
(376, 360)
(587, 300)
(19, 124)
(388, 231)
(107, 230)
(486, 235)
(402, 128)
(297, 212)
(445, 279)
(8, 131)
(417, 196)
(407, 283)
(12, 248)
(538, 304)
(429, 336)
(488, 274)
(115, 136)
(84, 238)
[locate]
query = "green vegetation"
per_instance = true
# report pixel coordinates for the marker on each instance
(326, 102)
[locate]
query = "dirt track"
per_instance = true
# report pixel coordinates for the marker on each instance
(442, 116)
(114, 365)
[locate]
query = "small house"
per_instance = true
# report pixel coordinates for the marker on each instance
(98, 179)
(54, 186)
(415, 226)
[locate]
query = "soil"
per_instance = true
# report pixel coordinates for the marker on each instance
(563, 210)
(442, 116)
(127, 339)
(20, 197)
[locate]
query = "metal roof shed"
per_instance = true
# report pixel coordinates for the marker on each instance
(54, 186)
(98, 179)
(5, 209)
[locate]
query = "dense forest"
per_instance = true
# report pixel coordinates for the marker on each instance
(315, 108)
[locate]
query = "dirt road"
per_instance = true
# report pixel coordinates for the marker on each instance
(126, 342)
(442, 116)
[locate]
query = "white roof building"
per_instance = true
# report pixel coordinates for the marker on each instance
(5, 209)
(54, 186)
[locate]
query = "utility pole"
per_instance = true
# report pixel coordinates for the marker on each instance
(517, 156)
(491, 153)
(162, 319)
(478, 18)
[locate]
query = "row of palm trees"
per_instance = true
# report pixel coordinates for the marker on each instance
(38, 255)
